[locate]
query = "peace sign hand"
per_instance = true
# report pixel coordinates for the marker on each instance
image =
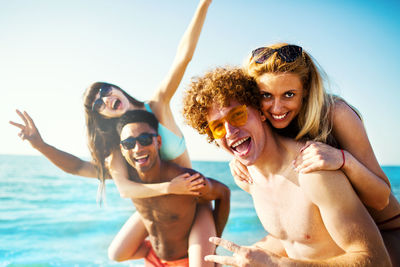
(242, 256)
(28, 130)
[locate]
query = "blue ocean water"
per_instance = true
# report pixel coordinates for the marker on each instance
(50, 218)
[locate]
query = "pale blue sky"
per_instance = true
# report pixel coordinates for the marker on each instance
(50, 51)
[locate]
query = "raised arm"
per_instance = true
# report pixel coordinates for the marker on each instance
(63, 160)
(220, 193)
(360, 164)
(184, 184)
(183, 56)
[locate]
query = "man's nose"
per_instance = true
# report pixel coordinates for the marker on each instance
(137, 146)
(230, 129)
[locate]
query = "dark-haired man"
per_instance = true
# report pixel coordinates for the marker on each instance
(168, 219)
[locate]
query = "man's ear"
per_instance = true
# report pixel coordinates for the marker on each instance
(262, 116)
(123, 151)
(159, 141)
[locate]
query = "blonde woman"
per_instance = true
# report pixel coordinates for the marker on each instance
(295, 103)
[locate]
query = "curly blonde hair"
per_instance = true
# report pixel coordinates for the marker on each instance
(218, 86)
(314, 119)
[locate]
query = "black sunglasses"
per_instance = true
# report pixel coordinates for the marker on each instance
(145, 139)
(288, 53)
(104, 91)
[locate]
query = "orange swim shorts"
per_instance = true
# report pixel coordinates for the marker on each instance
(151, 259)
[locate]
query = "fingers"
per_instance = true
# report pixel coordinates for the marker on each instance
(244, 174)
(196, 181)
(306, 155)
(185, 184)
(29, 119)
(22, 127)
(309, 169)
(22, 135)
(307, 144)
(240, 171)
(307, 152)
(194, 177)
(313, 145)
(22, 117)
(225, 244)
(193, 193)
(317, 156)
(224, 260)
(196, 188)
(310, 166)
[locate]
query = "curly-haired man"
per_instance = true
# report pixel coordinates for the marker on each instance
(313, 219)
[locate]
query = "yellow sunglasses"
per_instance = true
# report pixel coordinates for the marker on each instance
(235, 117)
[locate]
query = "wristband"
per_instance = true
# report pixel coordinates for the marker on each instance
(344, 159)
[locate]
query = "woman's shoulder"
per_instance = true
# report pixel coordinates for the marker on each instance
(341, 110)
(346, 121)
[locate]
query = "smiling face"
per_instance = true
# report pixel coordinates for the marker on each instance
(115, 103)
(244, 142)
(282, 97)
(142, 157)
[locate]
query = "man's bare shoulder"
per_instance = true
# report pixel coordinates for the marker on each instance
(323, 186)
(172, 170)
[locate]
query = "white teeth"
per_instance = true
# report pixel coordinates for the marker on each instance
(279, 117)
(240, 141)
(141, 157)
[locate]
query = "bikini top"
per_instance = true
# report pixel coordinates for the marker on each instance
(172, 145)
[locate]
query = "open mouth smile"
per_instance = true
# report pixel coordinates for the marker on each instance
(241, 146)
(279, 117)
(116, 104)
(141, 159)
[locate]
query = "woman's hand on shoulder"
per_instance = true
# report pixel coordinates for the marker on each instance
(239, 171)
(317, 156)
(28, 130)
(187, 184)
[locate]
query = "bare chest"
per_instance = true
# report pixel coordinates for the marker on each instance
(288, 214)
(284, 210)
(168, 220)
(166, 210)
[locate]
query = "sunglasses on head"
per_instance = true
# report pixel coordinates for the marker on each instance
(235, 117)
(287, 53)
(104, 91)
(145, 139)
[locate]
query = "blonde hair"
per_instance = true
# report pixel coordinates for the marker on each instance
(218, 86)
(314, 119)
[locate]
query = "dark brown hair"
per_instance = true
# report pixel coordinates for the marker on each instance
(101, 131)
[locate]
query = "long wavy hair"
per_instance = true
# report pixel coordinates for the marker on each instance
(101, 131)
(314, 120)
